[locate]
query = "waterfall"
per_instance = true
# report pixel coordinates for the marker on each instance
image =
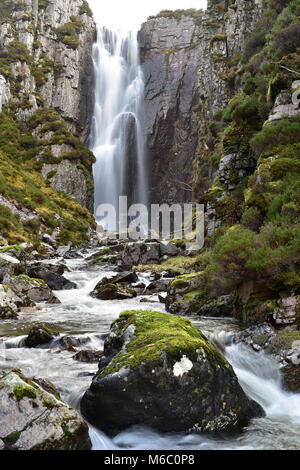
(116, 135)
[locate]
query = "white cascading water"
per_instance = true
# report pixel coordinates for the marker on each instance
(116, 136)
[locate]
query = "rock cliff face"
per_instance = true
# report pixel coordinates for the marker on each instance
(190, 60)
(46, 63)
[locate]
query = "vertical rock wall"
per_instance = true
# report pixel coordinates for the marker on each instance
(46, 51)
(189, 60)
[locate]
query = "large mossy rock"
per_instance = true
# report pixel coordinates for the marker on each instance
(160, 371)
(32, 290)
(33, 419)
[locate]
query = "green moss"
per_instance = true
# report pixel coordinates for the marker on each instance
(283, 341)
(179, 14)
(69, 32)
(85, 9)
(182, 282)
(66, 431)
(156, 332)
(22, 183)
(22, 391)
(11, 439)
(217, 38)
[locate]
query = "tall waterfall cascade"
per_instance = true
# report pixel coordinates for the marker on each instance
(116, 135)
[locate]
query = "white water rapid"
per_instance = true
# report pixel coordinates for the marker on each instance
(116, 136)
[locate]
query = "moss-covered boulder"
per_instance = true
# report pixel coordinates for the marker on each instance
(34, 419)
(38, 337)
(32, 290)
(160, 371)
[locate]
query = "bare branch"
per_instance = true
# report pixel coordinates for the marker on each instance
(285, 68)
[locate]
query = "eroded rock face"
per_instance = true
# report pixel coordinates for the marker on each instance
(9, 303)
(4, 92)
(53, 280)
(186, 62)
(33, 419)
(160, 371)
(54, 70)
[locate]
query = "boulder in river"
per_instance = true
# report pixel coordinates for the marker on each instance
(112, 292)
(53, 280)
(116, 287)
(88, 355)
(33, 419)
(38, 337)
(32, 290)
(160, 371)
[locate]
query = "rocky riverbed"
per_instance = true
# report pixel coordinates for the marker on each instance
(63, 341)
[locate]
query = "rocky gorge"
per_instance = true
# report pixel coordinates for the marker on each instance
(106, 343)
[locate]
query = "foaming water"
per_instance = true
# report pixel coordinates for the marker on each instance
(116, 137)
(86, 318)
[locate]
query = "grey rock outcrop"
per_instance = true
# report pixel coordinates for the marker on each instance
(34, 419)
(186, 60)
(53, 69)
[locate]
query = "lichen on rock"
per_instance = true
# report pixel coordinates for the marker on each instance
(159, 370)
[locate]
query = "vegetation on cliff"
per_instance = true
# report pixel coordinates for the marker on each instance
(252, 148)
(32, 134)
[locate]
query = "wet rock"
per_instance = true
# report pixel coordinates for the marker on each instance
(71, 342)
(112, 292)
(160, 371)
(116, 287)
(221, 307)
(10, 303)
(32, 290)
(47, 386)
(161, 285)
(139, 287)
(38, 337)
(89, 356)
(291, 378)
(184, 297)
(148, 300)
(33, 419)
(53, 280)
(53, 268)
(124, 278)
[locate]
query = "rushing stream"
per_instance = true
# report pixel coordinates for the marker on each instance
(82, 316)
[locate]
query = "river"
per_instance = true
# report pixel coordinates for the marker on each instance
(82, 316)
